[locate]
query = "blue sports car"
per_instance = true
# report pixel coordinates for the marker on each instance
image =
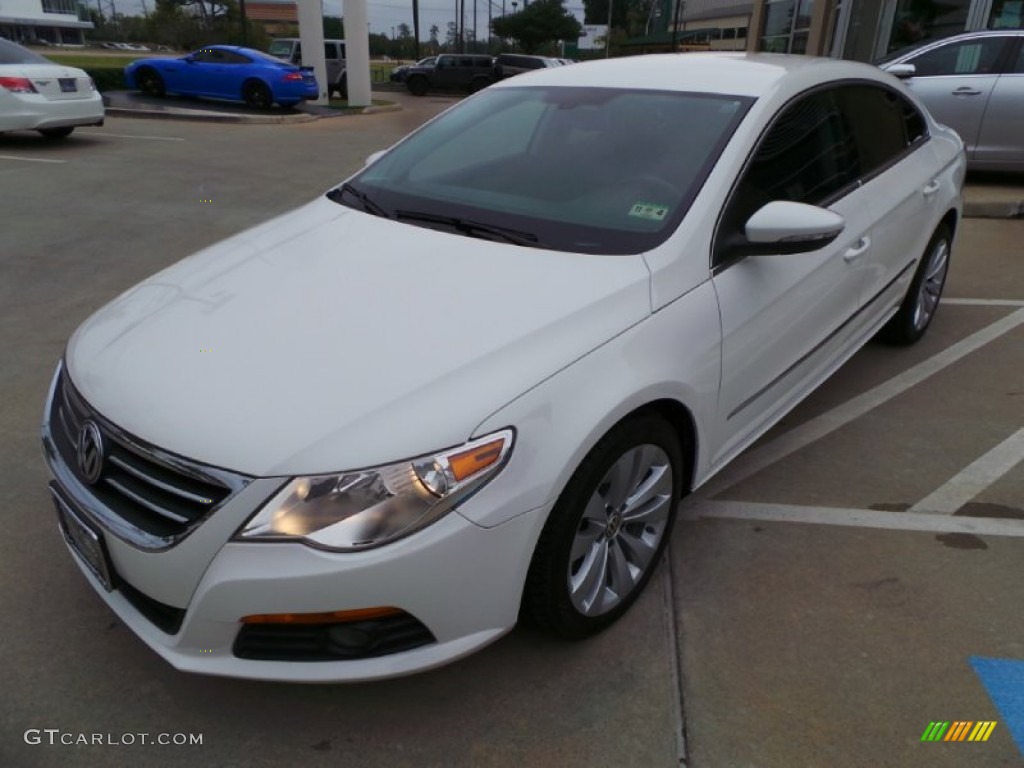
(225, 72)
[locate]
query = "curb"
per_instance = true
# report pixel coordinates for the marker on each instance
(1010, 209)
(208, 117)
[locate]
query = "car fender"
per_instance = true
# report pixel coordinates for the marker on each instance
(643, 365)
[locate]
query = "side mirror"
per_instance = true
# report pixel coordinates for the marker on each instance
(902, 71)
(785, 227)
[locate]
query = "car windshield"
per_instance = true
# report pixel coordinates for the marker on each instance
(280, 48)
(11, 53)
(589, 170)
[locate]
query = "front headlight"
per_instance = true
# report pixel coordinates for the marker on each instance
(370, 507)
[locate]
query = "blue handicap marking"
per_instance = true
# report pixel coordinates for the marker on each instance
(1004, 681)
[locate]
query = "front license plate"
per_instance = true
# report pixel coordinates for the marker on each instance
(86, 542)
(68, 85)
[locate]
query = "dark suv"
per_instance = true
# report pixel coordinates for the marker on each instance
(465, 72)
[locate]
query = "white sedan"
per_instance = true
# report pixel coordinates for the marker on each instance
(37, 94)
(470, 384)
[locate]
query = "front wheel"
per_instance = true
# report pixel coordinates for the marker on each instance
(922, 300)
(150, 82)
(606, 533)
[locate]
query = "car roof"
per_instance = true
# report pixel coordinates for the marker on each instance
(737, 74)
(896, 57)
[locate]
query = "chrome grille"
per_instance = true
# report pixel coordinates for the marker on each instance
(154, 491)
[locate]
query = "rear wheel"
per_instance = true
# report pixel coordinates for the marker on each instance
(922, 300)
(417, 85)
(56, 133)
(256, 95)
(607, 532)
(150, 82)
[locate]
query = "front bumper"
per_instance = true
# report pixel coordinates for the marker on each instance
(185, 596)
(461, 581)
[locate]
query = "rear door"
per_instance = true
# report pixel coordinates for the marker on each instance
(899, 176)
(785, 316)
(956, 79)
(1001, 139)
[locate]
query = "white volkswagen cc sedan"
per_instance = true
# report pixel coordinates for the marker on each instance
(37, 94)
(470, 384)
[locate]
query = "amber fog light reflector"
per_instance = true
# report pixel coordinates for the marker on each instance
(331, 617)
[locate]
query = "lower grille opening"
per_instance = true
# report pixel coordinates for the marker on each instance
(338, 641)
(165, 617)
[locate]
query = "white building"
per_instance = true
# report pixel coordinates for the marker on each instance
(46, 21)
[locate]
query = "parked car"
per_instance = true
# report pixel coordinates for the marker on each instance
(461, 72)
(37, 94)
(511, 343)
(398, 74)
(509, 64)
(974, 83)
(225, 72)
(290, 49)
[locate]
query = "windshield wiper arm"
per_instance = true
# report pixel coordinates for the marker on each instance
(367, 202)
(472, 228)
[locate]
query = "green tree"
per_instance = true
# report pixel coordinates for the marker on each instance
(541, 22)
(334, 28)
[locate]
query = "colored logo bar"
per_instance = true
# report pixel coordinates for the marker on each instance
(958, 730)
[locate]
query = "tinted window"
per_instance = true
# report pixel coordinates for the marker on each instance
(809, 155)
(967, 57)
(883, 124)
(15, 54)
(589, 170)
(330, 51)
(1017, 67)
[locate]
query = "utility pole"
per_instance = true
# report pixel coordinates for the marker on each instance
(416, 29)
(675, 25)
(476, 37)
(608, 34)
(462, 26)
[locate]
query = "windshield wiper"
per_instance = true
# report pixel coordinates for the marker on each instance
(472, 228)
(367, 202)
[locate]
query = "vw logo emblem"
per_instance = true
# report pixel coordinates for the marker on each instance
(90, 452)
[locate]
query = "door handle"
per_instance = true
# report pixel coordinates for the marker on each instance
(857, 250)
(931, 188)
(966, 90)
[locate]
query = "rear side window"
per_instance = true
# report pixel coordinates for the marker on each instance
(1017, 67)
(808, 155)
(967, 57)
(884, 124)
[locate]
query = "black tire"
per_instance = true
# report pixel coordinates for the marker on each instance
(56, 133)
(417, 85)
(924, 294)
(587, 521)
(150, 82)
(256, 95)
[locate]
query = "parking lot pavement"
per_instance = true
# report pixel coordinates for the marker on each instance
(835, 583)
(821, 605)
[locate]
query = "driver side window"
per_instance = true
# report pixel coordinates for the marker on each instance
(809, 155)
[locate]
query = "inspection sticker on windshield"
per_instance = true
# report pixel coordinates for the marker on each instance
(651, 211)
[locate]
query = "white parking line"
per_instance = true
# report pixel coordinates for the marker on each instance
(984, 302)
(31, 159)
(974, 478)
(854, 518)
(800, 437)
(133, 136)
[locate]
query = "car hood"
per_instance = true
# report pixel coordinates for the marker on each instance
(330, 339)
